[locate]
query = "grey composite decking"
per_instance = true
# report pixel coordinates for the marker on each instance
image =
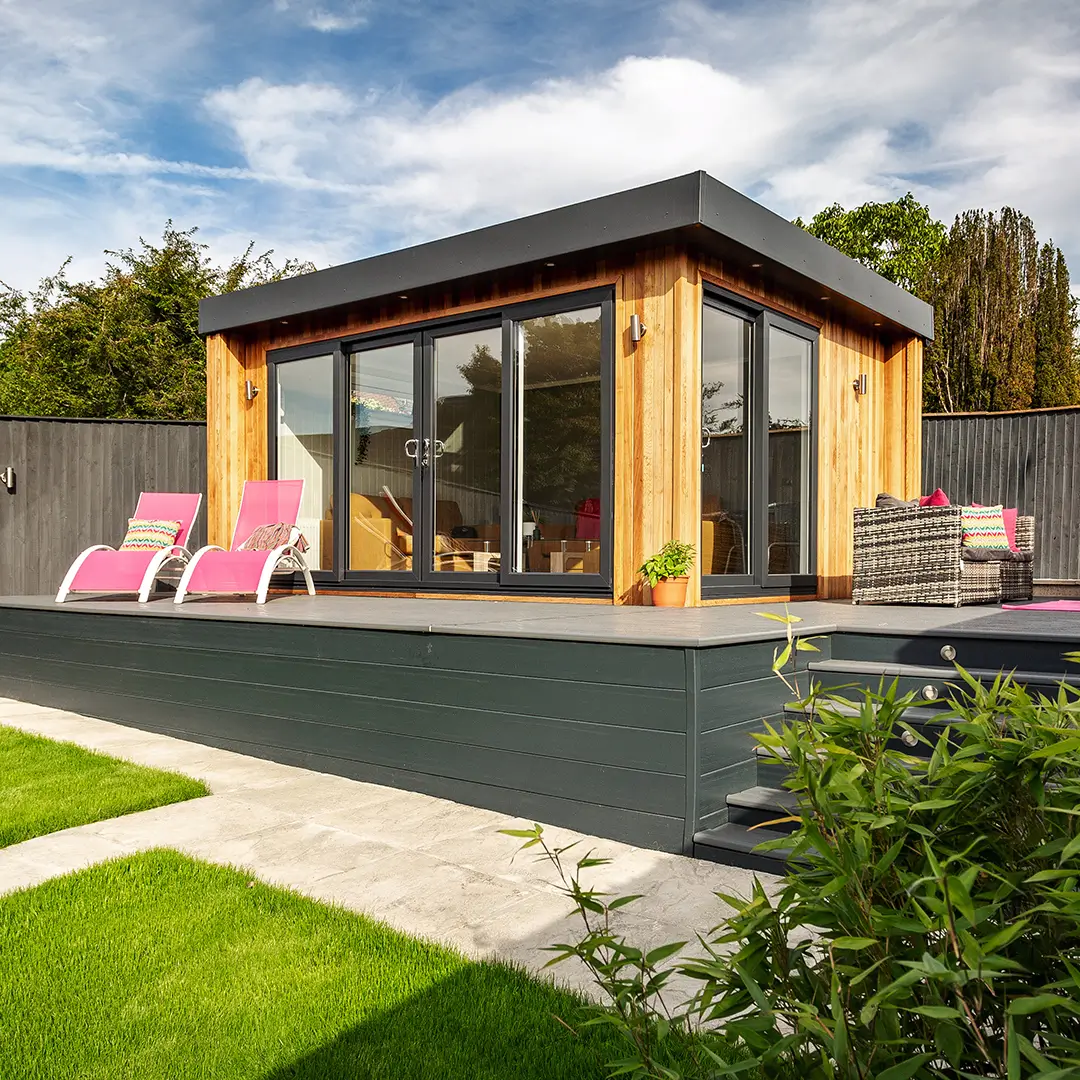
(632, 723)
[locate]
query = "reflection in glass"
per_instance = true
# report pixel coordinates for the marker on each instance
(559, 512)
(380, 468)
(465, 451)
(789, 453)
(726, 349)
(305, 447)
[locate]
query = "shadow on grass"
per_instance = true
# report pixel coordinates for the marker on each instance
(469, 1025)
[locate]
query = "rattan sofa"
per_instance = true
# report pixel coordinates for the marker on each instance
(914, 555)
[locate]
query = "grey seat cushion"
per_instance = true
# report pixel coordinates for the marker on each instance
(994, 555)
(885, 501)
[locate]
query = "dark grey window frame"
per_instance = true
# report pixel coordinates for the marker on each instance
(421, 333)
(759, 581)
(308, 352)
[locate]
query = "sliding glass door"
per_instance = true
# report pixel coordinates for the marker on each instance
(758, 377)
(472, 455)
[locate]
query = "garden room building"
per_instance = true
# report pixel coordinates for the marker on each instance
(534, 408)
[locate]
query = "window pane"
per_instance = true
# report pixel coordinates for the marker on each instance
(560, 516)
(465, 451)
(380, 468)
(726, 349)
(305, 447)
(789, 453)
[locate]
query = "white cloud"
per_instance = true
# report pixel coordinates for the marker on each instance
(965, 102)
(327, 18)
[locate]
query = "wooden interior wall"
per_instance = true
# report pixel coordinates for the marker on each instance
(865, 445)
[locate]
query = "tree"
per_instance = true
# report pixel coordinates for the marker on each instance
(126, 346)
(1005, 320)
(899, 240)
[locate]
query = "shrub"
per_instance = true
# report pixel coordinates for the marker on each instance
(929, 924)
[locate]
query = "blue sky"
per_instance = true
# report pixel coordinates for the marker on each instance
(333, 129)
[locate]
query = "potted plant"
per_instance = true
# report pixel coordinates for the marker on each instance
(666, 572)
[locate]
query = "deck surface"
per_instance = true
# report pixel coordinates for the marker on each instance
(678, 628)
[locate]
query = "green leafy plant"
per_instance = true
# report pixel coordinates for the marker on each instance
(929, 922)
(941, 891)
(673, 560)
(663, 1041)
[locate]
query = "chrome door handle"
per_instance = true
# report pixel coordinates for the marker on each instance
(415, 444)
(426, 459)
(440, 448)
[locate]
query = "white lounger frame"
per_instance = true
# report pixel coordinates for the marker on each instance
(156, 565)
(284, 559)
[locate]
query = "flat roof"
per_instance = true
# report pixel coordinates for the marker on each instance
(694, 208)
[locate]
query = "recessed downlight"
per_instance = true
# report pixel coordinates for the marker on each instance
(549, 264)
(756, 266)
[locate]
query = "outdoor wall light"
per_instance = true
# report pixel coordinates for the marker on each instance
(7, 478)
(860, 384)
(251, 391)
(637, 328)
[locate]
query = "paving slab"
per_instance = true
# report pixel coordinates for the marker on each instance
(432, 868)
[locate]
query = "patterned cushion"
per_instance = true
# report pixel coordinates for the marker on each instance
(984, 527)
(144, 534)
(268, 537)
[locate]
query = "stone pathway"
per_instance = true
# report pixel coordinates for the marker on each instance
(429, 867)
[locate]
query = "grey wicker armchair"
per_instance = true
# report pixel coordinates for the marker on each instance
(914, 555)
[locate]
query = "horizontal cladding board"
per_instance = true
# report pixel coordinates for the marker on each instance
(449, 720)
(724, 747)
(664, 832)
(722, 665)
(197, 707)
(620, 665)
(714, 788)
(724, 706)
(1007, 654)
(624, 707)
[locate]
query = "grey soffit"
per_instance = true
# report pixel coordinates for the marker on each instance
(694, 208)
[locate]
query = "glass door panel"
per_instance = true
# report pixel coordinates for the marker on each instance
(305, 448)
(789, 452)
(382, 458)
(727, 347)
(559, 514)
(464, 452)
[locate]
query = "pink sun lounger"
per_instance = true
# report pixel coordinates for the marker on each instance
(212, 569)
(102, 569)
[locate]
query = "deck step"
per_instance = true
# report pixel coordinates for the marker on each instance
(867, 668)
(759, 805)
(915, 715)
(734, 845)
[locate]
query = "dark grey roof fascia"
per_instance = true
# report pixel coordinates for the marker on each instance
(667, 208)
(746, 222)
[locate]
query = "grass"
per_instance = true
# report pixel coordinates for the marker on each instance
(160, 966)
(47, 785)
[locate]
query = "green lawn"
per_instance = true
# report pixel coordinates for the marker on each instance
(47, 785)
(160, 966)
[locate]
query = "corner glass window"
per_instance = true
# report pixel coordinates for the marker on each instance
(305, 448)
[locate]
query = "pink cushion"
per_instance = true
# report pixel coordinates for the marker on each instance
(1009, 514)
(939, 498)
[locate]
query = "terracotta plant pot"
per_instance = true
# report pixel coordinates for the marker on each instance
(670, 592)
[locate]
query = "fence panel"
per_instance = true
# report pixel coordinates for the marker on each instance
(76, 484)
(1028, 460)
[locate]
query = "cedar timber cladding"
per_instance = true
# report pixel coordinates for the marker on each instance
(865, 444)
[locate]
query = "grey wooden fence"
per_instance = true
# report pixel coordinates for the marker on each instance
(1029, 460)
(76, 484)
